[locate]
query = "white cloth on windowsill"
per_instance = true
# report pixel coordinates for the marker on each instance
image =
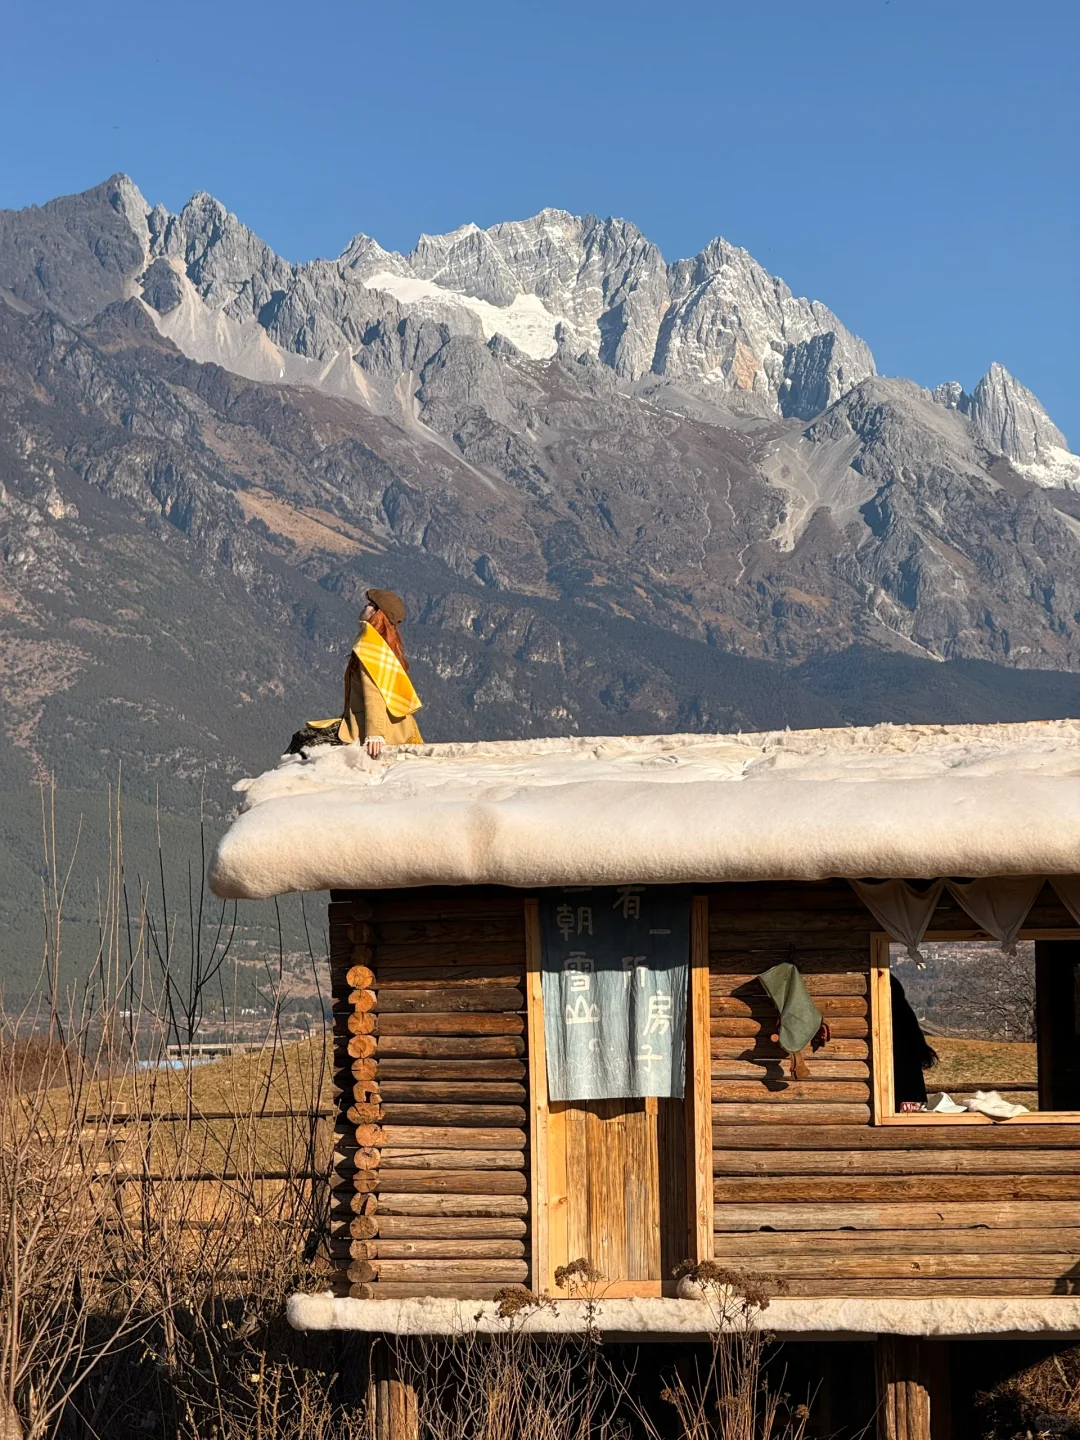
(989, 1102)
(942, 1104)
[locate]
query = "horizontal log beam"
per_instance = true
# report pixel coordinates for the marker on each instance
(439, 1047)
(506, 974)
(926, 1266)
(463, 1137)
(444, 1272)
(384, 1249)
(843, 1027)
(747, 986)
(722, 1006)
(895, 1162)
(957, 1288)
(415, 953)
(447, 1001)
(846, 955)
(463, 1290)
(1029, 1215)
(465, 930)
(451, 903)
(400, 1203)
(432, 1025)
(462, 1092)
(810, 1114)
(446, 1227)
(455, 1182)
(413, 1158)
(779, 1070)
(760, 1048)
(474, 1116)
(446, 1070)
(772, 1246)
(901, 1138)
(790, 1092)
(880, 1189)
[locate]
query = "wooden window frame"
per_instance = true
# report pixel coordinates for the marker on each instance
(548, 1181)
(881, 1072)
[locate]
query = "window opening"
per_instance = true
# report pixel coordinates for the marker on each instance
(976, 1023)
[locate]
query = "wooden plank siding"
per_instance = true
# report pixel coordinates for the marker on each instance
(806, 1188)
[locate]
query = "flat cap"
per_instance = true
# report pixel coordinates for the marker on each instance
(392, 606)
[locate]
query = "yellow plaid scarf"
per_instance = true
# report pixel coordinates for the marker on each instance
(387, 671)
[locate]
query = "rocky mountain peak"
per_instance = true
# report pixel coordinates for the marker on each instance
(1009, 420)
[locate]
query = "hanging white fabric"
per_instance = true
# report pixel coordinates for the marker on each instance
(999, 906)
(1068, 892)
(901, 910)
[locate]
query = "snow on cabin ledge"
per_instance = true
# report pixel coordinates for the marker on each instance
(887, 800)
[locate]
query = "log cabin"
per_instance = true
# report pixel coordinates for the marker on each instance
(486, 1138)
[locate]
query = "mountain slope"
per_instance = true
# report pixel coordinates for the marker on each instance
(618, 494)
(635, 464)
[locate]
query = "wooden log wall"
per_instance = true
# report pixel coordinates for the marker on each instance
(431, 1184)
(807, 1189)
(431, 1179)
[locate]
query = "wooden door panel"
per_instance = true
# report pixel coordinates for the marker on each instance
(617, 1182)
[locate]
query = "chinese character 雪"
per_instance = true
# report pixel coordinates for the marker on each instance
(579, 968)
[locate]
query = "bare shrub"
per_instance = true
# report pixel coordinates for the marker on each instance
(519, 1386)
(154, 1215)
(726, 1395)
(1042, 1399)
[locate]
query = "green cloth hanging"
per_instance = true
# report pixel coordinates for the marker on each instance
(800, 1019)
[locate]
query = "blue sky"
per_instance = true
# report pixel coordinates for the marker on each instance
(912, 163)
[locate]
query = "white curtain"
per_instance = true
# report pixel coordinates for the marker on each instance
(900, 909)
(1000, 905)
(1068, 892)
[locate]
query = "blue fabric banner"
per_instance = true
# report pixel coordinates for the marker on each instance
(614, 977)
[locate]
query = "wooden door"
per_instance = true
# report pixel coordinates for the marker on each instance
(623, 1184)
(623, 1168)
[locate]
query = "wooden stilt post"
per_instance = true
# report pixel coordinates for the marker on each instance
(912, 1388)
(394, 1401)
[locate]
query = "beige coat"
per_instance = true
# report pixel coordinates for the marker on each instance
(365, 712)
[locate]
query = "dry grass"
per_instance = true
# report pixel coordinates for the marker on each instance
(964, 1065)
(1041, 1400)
(144, 1263)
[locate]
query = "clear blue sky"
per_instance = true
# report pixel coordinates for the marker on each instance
(912, 163)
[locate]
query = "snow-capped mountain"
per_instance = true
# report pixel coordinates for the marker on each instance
(718, 323)
(618, 493)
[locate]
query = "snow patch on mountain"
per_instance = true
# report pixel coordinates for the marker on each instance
(525, 321)
(1057, 469)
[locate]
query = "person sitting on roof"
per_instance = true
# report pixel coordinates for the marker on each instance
(911, 1053)
(380, 701)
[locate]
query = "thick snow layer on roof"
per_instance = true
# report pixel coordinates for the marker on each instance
(892, 800)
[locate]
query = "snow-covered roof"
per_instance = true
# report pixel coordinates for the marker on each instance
(892, 800)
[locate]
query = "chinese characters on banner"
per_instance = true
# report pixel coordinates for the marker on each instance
(615, 966)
